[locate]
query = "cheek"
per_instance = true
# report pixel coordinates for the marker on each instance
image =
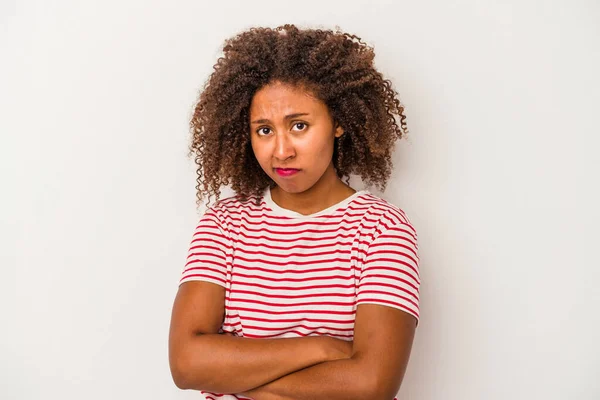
(320, 149)
(259, 154)
(255, 149)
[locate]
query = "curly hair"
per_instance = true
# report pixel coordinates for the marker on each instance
(336, 67)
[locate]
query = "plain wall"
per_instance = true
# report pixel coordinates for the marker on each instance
(499, 175)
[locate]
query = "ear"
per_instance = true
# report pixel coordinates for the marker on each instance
(339, 131)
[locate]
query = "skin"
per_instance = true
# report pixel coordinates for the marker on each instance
(291, 128)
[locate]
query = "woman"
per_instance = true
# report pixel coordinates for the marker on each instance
(299, 286)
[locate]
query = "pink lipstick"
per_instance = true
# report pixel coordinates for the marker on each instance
(286, 171)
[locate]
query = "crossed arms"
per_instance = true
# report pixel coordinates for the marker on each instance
(316, 367)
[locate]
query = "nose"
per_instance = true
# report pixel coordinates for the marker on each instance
(284, 148)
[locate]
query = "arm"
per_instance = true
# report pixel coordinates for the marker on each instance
(384, 328)
(382, 343)
(202, 359)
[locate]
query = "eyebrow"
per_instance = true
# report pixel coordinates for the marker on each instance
(290, 116)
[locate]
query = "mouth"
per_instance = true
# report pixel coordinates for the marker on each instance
(286, 171)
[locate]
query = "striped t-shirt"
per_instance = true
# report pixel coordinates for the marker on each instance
(290, 275)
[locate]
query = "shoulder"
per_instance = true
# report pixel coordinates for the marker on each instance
(232, 207)
(386, 213)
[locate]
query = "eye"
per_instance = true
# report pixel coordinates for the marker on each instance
(261, 131)
(302, 126)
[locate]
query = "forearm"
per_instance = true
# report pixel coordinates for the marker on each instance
(341, 379)
(227, 364)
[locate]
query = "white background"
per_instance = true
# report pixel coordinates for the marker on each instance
(499, 175)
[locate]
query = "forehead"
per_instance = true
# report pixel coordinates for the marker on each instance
(278, 99)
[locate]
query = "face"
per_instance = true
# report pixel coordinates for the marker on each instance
(292, 129)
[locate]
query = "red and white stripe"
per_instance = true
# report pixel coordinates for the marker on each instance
(289, 275)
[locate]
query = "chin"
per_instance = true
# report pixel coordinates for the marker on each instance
(289, 188)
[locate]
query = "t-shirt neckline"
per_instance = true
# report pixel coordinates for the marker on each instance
(277, 210)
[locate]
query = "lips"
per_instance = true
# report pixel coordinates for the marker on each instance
(286, 171)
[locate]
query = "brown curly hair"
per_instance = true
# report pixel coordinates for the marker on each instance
(336, 67)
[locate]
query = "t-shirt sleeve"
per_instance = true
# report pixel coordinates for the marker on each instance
(390, 272)
(208, 251)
